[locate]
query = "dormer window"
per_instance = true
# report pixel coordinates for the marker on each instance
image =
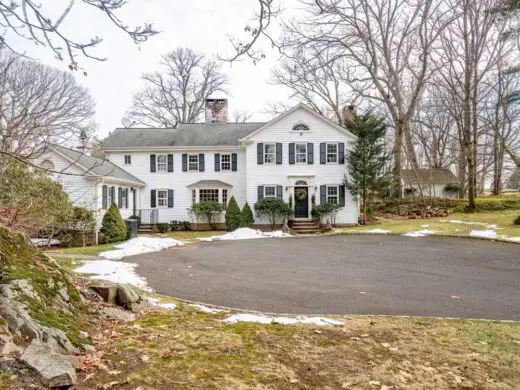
(300, 127)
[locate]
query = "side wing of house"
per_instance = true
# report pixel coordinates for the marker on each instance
(301, 158)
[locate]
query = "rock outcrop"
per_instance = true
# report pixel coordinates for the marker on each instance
(121, 295)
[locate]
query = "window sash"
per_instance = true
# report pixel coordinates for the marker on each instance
(193, 196)
(123, 197)
(193, 162)
(224, 197)
(333, 194)
(269, 191)
(301, 153)
(269, 153)
(162, 162)
(208, 195)
(128, 159)
(225, 162)
(332, 153)
(162, 198)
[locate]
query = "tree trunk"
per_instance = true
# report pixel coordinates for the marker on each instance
(410, 150)
(398, 150)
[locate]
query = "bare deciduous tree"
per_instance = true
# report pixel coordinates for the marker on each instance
(40, 105)
(241, 116)
(387, 45)
(178, 92)
(32, 21)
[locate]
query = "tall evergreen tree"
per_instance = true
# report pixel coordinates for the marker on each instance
(367, 162)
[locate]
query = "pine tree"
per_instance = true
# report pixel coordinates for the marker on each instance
(247, 216)
(113, 227)
(233, 215)
(367, 162)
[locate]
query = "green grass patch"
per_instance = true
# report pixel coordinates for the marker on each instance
(5, 379)
(69, 264)
(192, 236)
(93, 250)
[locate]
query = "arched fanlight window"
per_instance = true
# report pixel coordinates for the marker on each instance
(47, 165)
(301, 183)
(301, 127)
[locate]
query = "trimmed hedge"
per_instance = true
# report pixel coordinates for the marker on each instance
(113, 227)
(247, 216)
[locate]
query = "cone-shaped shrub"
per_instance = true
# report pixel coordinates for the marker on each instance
(113, 227)
(517, 220)
(247, 216)
(233, 215)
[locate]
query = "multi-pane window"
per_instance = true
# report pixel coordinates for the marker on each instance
(162, 162)
(300, 127)
(193, 196)
(225, 162)
(301, 153)
(206, 195)
(128, 159)
(333, 194)
(269, 191)
(269, 153)
(332, 153)
(162, 198)
(124, 192)
(193, 162)
(111, 191)
(224, 197)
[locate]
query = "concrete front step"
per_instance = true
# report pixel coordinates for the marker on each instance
(307, 231)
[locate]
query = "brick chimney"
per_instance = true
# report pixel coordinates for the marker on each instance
(216, 110)
(348, 113)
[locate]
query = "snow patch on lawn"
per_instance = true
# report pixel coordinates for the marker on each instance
(209, 310)
(157, 302)
(375, 231)
(491, 234)
(420, 233)
(488, 226)
(246, 234)
(262, 319)
(44, 242)
(512, 239)
(140, 245)
(113, 271)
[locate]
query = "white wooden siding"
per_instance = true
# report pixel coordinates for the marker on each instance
(179, 181)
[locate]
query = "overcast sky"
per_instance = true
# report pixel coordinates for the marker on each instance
(202, 25)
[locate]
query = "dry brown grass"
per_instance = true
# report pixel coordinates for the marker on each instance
(185, 349)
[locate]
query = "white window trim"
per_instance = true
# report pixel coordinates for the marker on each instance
(265, 191)
(296, 153)
(222, 161)
(336, 196)
(274, 153)
(189, 167)
(327, 152)
(129, 157)
(123, 197)
(165, 164)
(109, 196)
(157, 198)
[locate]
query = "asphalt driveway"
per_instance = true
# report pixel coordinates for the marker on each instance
(344, 275)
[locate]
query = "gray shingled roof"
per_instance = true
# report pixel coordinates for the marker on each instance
(425, 176)
(209, 184)
(96, 166)
(192, 134)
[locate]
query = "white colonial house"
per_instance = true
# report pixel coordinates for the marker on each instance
(159, 173)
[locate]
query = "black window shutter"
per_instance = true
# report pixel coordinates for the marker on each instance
(119, 197)
(341, 157)
(170, 198)
(234, 162)
(217, 162)
(260, 193)
(342, 195)
(323, 154)
(201, 162)
(291, 153)
(260, 153)
(310, 153)
(126, 198)
(104, 197)
(113, 194)
(185, 162)
(323, 194)
(152, 199)
(170, 163)
(152, 163)
(279, 191)
(278, 153)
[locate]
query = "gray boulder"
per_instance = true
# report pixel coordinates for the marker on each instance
(55, 369)
(118, 314)
(121, 295)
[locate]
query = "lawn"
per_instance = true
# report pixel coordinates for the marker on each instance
(93, 250)
(503, 220)
(192, 236)
(184, 348)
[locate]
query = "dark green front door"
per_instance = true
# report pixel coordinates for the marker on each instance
(301, 202)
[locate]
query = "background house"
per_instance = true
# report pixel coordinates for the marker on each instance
(429, 182)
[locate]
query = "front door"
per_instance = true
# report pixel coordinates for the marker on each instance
(301, 202)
